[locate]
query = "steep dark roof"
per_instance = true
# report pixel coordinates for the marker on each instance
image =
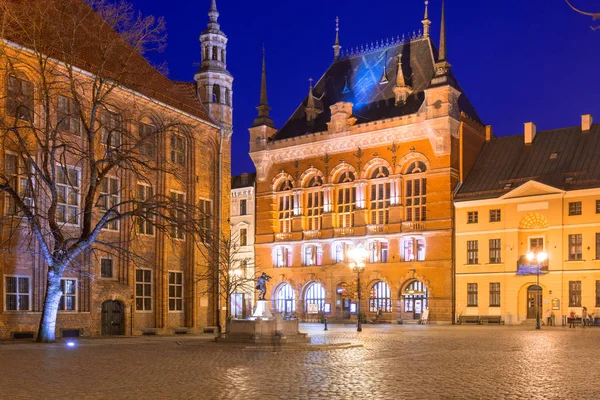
(565, 158)
(237, 182)
(372, 100)
(92, 46)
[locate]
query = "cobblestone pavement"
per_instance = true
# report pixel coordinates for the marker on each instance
(394, 362)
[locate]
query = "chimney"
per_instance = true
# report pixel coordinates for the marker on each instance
(488, 133)
(586, 122)
(529, 132)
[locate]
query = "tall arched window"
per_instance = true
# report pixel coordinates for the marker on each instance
(315, 294)
(285, 299)
(416, 192)
(206, 53)
(380, 297)
(285, 206)
(314, 204)
(346, 200)
(216, 93)
(227, 97)
(223, 55)
(214, 53)
(380, 196)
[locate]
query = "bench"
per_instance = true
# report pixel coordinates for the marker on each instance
(469, 319)
(491, 319)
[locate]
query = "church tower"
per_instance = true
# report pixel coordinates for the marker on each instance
(213, 80)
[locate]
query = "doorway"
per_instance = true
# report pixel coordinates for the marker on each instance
(113, 318)
(342, 302)
(415, 300)
(534, 301)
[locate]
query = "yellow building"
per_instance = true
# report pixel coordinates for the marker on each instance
(536, 193)
(369, 158)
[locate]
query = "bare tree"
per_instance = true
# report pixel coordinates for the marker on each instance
(594, 16)
(70, 148)
(232, 273)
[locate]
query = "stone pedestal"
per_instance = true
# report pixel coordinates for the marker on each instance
(262, 310)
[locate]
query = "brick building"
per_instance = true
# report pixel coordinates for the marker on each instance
(111, 294)
(370, 158)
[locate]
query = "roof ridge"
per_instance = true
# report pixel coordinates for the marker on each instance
(384, 44)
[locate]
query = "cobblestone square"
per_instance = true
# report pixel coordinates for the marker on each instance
(382, 362)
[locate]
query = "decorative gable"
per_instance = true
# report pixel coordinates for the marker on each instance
(341, 117)
(531, 188)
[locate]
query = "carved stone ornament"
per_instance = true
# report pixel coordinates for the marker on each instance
(341, 117)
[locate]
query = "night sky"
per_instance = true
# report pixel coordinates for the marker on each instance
(517, 61)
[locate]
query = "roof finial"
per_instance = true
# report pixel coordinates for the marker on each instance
(213, 15)
(336, 46)
(311, 110)
(426, 22)
(442, 54)
(263, 108)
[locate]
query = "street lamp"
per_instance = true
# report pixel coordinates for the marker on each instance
(540, 258)
(357, 256)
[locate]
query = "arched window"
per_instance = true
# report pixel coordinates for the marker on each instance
(380, 297)
(346, 177)
(315, 181)
(228, 97)
(315, 294)
(216, 93)
(380, 202)
(214, 53)
(380, 172)
(285, 299)
(285, 185)
(415, 193)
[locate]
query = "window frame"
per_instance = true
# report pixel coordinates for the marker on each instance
(376, 299)
(282, 253)
(243, 237)
(145, 224)
(496, 215)
(495, 290)
(17, 101)
(289, 295)
(495, 252)
(314, 209)
(574, 293)
(68, 189)
(24, 184)
(312, 255)
(312, 295)
(144, 284)
(380, 199)
(472, 294)
(112, 268)
(576, 245)
(472, 217)
(345, 205)
(378, 250)
(472, 252)
(575, 208)
(147, 146)
(176, 296)
(176, 232)
(62, 301)
(285, 211)
(178, 149)
(111, 126)
(70, 115)
(206, 220)
(243, 207)
(18, 293)
(112, 226)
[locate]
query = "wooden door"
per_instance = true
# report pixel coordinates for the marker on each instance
(112, 318)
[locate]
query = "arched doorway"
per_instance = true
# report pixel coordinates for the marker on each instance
(534, 301)
(415, 300)
(342, 301)
(113, 318)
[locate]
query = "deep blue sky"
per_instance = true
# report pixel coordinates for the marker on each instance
(518, 61)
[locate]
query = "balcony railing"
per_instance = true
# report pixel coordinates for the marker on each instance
(338, 232)
(413, 226)
(380, 228)
(314, 234)
(283, 236)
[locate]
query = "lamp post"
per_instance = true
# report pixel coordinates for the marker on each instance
(357, 256)
(540, 258)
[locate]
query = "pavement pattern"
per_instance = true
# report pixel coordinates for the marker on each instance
(382, 362)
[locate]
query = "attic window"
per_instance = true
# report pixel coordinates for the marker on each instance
(569, 179)
(507, 186)
(554, 156)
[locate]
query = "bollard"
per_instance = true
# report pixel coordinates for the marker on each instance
(325, 320)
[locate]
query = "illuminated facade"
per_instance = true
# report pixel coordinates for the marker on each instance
(370, 157)
(533, 193)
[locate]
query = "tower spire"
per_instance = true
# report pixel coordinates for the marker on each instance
(336, 46)
(213, 15)
(426, 22)
(311, 110)
(442, 54)
(263, 108)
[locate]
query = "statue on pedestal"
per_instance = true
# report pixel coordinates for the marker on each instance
(261, 285)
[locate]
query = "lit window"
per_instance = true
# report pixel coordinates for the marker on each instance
(315, 294)
(283, 256)
(314, 210)
(285, 299)
(346, 204)
(243, 237)
(413, 249)
(378, 251)
(574, 293)
(285, 207)
(380, 203)
(380, 298)
(313, 255)
(68, 301)
(341, 251)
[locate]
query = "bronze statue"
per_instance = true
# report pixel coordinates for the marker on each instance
(261, 285)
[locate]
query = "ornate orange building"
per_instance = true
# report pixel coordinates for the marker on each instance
(370, 158)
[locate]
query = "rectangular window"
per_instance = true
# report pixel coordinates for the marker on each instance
(283, 257)
(285, 212)
(19, 102)
(472, 295)
(574, 293)
(536, 244)
(106, 268)
(145, 223)
(313, 255)
(17, 295)
(175, 291)
(68, 186)
(416, 199)
(575, 208)
(147, 135)
(495, 216)
(575, 245)
(341, 251)
(243, 237)
(68, 115)
(495, 251)
(18, 175)
(111, 129)
(177, 150)
(178, 215)
(494, 294)
(243, 207)
(346, 204)
(597, 293)
(378, 251)
(109, 199)
(472, 252)
(380, 203)
(143, 290)
(206, 222)
(314, 210)
(597, 206)
(472, 217)
(68, 301)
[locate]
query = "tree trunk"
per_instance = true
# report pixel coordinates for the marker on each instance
(47, 328)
